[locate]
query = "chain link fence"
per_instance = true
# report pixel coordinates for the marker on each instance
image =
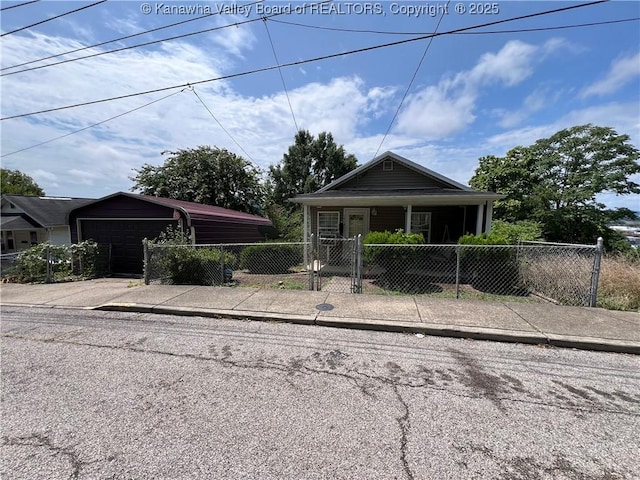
(560, 273)
(565, 274)
(47, 263)
(261, 265)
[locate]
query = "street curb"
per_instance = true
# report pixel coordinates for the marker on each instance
(475, 333)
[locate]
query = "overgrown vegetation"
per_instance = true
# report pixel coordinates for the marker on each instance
(270, 258)
(177, 262)
(619, 286)
(46, 262)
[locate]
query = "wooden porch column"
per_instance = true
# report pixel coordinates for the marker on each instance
(479, 219)
(487, 222)
(407, 222)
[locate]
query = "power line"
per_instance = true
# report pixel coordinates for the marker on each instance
(53, 18)
(126, 37)
(18, 5)
(284, 85)
(94, 125)
(220, 124)
(176, 37)
(310, 60)
(488, 32)
(415, 74)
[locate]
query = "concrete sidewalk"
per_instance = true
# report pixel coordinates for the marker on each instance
(538, 323)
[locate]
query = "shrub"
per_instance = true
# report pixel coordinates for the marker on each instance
(385, 256)
(270, 258)
(80, 259)
(188, 265)
(513, 233)
(492, 269)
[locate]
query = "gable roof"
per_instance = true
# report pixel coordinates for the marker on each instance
(192, 210)
(403, 161)
(45, 211)
(437, 190)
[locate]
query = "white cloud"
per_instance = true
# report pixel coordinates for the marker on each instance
(534, 102)
(236, 39)
(439, 111)
(622, 71)
(510, 66)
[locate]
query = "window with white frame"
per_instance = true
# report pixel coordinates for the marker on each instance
(329, 224)
(421, 223)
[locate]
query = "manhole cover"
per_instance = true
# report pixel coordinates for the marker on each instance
(324, 307)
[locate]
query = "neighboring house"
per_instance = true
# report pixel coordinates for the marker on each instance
(29, 220)
(122, 220)
(390, 193)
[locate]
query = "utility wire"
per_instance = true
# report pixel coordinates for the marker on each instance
(284, 85)
(310, 60)
(487, 32)
(126, 37)
(176, 37)
(53, 18)
(18, 5)
(220, 124)
(94, 125)
(415, 74)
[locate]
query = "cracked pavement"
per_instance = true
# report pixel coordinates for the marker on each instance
(112, 395)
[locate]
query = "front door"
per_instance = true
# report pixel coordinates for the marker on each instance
(356, 222)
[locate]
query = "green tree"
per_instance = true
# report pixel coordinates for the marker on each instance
(14, 182)
(556, 181)
(212, 176)
(310, 164)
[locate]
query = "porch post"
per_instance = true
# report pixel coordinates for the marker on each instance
(487, 222)
(305, 233)
(479, 219)
(407, 222)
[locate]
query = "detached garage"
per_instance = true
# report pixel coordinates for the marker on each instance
(121, 221)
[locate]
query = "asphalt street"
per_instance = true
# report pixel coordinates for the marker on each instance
(112, 395)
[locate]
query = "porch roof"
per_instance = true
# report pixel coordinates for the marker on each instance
(397, 197)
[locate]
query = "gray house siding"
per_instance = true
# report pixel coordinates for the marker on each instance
(376, 178)
(448, 223)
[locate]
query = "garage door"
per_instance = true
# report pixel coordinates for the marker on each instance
(124, 238)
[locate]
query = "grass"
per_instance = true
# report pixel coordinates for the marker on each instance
(619, 286)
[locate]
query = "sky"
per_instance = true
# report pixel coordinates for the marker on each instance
(442, 102)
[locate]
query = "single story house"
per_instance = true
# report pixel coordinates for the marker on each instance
(391, 192)
(122, 220)
(29, 220)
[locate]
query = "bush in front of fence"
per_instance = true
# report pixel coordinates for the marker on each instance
(186, 265)
(489, 263)
(396, 253)
(64, 261)
(270, 258)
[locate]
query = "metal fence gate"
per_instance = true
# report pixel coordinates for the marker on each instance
(338, 264)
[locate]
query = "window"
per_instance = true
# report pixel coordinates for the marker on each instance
(10, 243)
(33, 236)
(387, 166)
(421, 223)
(328, 224)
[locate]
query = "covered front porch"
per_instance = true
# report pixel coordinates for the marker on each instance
(439, 222)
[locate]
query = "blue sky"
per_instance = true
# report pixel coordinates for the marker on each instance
(478, 93)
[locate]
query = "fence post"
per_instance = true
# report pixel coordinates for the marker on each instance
(457, 272)
(222, 265)
(359, 260)
(595, 275)
(310, 260)
(48, 276)
(145, 250)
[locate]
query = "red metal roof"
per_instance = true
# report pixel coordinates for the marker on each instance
(201, 211)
